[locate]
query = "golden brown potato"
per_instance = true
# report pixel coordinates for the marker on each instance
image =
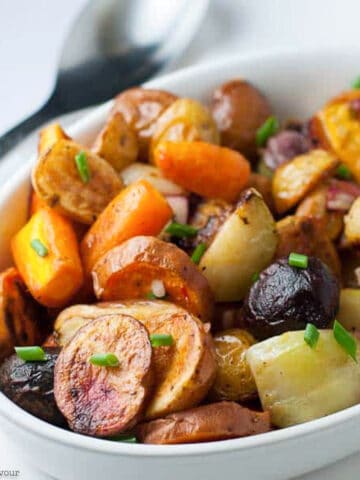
(306, 235)
(102, 401)
(293, 180)
(234, 380)
(22, 320)
(352, 223)
(217, 421)
(244, 245)
(239, 110)
(57, 181)
(117, 143)
(127, 271)
(141, 108)
(184, 372)
(185, 120)
(314, 206)
(349, 310)
(49, 135)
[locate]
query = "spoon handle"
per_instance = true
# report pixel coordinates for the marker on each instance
(13, 136)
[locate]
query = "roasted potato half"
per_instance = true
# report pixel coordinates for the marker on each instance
(185, 120)
(352, 224)
(117, 143)
(184, 372)
(49, 135)
(57, 181)
(244, 245)
(297, 383)
(349, 310)
(22, 320)
(208, 423)
(99, 400)
(293, 180)
(141, 107)
(128, 271)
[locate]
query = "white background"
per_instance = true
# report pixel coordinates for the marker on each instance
(31, 34)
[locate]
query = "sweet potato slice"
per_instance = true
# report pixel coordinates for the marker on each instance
(22, 320)
(138, 210)
(49, 135)
(103, 401)
(308, 236)
(184, 372)
(293, 180)
(57, 181)
(117, 143)
(217, 421)
(127, 271)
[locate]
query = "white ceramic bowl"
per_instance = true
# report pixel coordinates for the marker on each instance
(297, 83)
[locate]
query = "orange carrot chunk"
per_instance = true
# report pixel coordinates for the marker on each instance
(36, 203)
(47, 256)
(139, 209)
(204, 168)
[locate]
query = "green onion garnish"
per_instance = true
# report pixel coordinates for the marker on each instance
(161, 340)
(255, 277)
(311, 335)
(104, 360)
(151, 296)
(298, 260)
(346, 341)
(31, 354)
(198, 253)
(181, 230)
(123, 438)
(356, 83)
(267, 130)
(82, 166)
(39, 247)
(344, 172)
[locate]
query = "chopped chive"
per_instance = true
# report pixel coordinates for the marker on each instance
(255, 277)
(123, 438)
(298, 260)
(198, 253)
(356, 83)
(344, 172)
(161, 340)
(346, 341)
(267, 130)
(82, 166)
(151, 296)
(31, 354)
(104, 360)
(181, 230)
(311, 335)
(39, 247)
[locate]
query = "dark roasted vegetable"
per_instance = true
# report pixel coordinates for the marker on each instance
(285, 146)
(31, 386)
(287, 298)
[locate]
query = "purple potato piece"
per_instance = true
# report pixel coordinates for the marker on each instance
(285, 146)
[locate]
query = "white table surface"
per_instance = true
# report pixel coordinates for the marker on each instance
(31, 34)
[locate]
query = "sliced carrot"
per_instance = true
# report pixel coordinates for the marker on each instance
(36, 203)
(204, 168)
(49, 135)
(139, 209)
(57, 275)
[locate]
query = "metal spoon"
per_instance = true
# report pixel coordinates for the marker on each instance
(113, 45)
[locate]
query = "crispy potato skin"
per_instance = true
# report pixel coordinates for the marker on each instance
(22, 320)
(263, 185)
(101, 401)
(239, 110)
(117, 143)
(234, 380)
(49, 135)
(217, 421)
(56, 180)
(184, 372)
(128, 270)
(141, 108)
(306, 235)
(352, 224)
(293, 180)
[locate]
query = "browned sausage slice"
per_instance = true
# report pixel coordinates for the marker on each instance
(217, 421)
(103, 401)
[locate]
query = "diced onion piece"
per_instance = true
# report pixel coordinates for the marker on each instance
(341, 195)
(158, 288)
(180, 206)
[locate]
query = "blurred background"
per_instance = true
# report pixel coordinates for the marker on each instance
(32, 33)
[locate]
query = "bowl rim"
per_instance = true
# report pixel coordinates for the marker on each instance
(33, 425)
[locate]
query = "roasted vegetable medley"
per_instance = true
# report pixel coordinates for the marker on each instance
(191, 275)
